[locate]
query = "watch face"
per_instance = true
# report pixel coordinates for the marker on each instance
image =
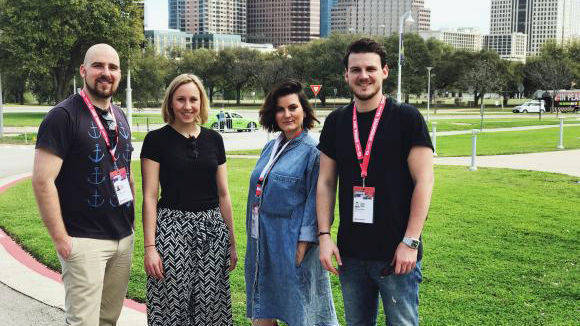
(411, 243)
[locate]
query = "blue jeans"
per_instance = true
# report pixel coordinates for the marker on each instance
(362, 282)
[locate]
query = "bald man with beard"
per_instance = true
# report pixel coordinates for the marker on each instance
(84, 191)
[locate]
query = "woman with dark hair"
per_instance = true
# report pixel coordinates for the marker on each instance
(284, 279)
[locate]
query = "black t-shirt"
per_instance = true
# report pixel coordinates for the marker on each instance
(400, 128)
(88, 202)
(187, 182)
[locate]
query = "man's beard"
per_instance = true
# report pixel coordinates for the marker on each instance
(95, 92)
(364, 97)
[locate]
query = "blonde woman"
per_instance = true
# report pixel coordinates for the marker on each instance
(188, 232)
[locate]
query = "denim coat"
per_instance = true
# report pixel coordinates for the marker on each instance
(275, 287)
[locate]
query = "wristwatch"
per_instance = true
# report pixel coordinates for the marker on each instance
(411, 243)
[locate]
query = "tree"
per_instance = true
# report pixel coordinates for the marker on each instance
(149, 72)
(485, 76)
(238, 68)
(52, 36)
(549, 74)
(276, 69)
(203, 63)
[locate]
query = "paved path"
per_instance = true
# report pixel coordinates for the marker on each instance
(31, 295)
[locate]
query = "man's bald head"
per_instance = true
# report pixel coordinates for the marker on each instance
(101, 49)
(101, 72)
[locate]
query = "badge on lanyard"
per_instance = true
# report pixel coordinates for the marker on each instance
(121, 185)
(364, 197)
(119, 178)
(255, 219)
(362, 204)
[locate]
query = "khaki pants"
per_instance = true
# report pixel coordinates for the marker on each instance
(95, 278)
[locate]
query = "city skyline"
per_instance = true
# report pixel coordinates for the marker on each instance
(444, 14)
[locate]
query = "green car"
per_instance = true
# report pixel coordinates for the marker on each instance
(233, 121)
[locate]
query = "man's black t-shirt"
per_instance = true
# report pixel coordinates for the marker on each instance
(400, 128)
(87, 199)
(187, 167)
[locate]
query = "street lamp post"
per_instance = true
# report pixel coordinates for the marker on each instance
(129, 99)
(1, 110)
(405, 18)
(428, 91)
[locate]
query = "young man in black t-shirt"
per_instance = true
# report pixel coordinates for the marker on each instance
(84, 190)
(381, 152)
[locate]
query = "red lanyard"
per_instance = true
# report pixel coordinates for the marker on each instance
(363, 160)
(102, 130)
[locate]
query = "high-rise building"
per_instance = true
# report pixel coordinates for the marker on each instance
(165, 40)
(283, 21)
(540, 20)
(176, 14)
(469, 39)
(208, 16)
(325, 16)
(421, 15)
(509, 46)
(378, 17)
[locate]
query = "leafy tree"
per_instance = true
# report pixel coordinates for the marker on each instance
(238, 68)
(52, 36)
(485, 76)
(514, 76)
(276, 69)
(203, 63)
(148, 77)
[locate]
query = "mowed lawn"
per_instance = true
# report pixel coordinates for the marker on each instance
(509, 142)
(501, 246)
(33, 119)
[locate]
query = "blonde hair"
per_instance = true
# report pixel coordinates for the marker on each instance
(167, 110)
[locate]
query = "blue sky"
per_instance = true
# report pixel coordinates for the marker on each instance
(444, 13)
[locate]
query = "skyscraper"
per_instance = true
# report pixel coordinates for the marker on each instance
(540, 20)
(208, 16)
(176, 11)
(325, 16)
(378, 17)
(421, 15)
(283, 21)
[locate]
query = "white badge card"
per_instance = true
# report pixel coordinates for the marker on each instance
(254, 221)
(362, 204)
(121, 186)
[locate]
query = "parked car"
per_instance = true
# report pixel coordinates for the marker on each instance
(233, 121)
(530, 107)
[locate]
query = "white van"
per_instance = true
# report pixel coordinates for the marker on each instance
(530, 106)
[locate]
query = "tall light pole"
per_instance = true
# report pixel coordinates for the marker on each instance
(405, 18)
(1, 110)
(129, 98)
(428, 91)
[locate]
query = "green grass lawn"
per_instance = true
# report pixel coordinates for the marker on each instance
(501, 246)
(467, 124)
(21, 139)
(509, 142)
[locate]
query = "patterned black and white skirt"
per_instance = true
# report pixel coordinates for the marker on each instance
(194, 249)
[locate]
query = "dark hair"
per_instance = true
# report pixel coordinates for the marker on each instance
(270, 106)
(365, 45)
